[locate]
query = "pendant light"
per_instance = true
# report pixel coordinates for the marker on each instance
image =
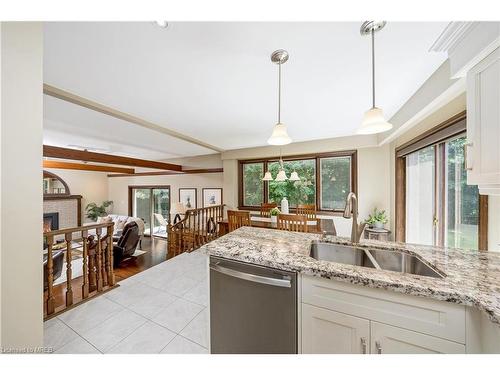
(373, 119)
(279, 136)
(281, 176)
(294, 176)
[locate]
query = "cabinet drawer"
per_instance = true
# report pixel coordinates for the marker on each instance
(386, 339)
(436, 318)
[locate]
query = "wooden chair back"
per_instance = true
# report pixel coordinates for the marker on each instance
(309, 210)
(237, 219)
(265, 208)
(293, 223)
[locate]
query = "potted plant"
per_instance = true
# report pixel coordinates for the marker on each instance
(94, 211)
(377, 219)
(274, 212)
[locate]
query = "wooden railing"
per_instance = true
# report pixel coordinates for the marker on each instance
(198, 227)
(96, 245)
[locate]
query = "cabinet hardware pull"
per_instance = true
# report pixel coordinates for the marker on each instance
(466, 162)
(379, 347)
(363, 345)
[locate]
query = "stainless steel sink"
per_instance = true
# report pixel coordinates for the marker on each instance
(402, 262)
(388, 260)
(341, 254)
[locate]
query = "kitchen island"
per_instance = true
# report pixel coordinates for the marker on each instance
(462, 309)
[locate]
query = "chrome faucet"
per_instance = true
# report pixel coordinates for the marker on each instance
(351, 210)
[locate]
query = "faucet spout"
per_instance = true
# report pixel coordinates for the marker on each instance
(351, 210)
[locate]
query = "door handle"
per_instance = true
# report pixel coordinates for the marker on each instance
(378, 347)
(363, 345)
(283, 283)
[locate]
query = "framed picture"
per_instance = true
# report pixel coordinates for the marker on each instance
(212, 196)
(187, 196)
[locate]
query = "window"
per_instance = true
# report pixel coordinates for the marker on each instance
(253, 186)
(303, 191)
(335, 182)
(434, 204)
(325, 181)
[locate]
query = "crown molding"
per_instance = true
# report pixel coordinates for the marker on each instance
(452, 35)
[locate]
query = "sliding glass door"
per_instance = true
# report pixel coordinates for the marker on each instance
(461, 200)
(152, 205)
(441, 209)
(421, 197)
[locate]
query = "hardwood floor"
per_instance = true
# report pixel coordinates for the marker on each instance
(156, 252)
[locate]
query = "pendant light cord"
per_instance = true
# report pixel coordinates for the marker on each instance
(279, 93)
(373, 68)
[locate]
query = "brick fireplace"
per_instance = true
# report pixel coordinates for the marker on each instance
(65, 211)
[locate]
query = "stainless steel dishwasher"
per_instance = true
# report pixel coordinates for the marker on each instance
(253, 309)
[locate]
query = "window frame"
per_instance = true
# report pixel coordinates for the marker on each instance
(353, 154)
(453, 127)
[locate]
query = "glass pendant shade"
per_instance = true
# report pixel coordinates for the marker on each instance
(279, 136)
(374, 122)
(267, 177)
(281, 176)
(294, 176)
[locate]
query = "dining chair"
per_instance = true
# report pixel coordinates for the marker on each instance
(309, 210)
(265, 208)
(294, 223)
(237, 219)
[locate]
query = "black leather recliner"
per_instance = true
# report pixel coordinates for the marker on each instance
(57, 266)
(127, 243)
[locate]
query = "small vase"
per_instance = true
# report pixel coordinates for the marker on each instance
(274, 219)
(378, 225)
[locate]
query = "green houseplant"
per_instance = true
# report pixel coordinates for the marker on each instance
(274, 212)
(94, 211)
(377, 218)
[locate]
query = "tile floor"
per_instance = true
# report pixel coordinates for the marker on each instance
(160, 310)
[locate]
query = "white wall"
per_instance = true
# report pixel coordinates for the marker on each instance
(21, 285)
(373, 171)
(118, 187)
(92, 186)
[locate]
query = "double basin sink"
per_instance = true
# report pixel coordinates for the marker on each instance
(388, 260)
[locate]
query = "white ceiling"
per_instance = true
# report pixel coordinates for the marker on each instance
(215, 81)
(70, 125)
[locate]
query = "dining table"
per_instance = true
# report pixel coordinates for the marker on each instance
(318, 225)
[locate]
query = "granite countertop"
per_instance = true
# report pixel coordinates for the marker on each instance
(472, 278)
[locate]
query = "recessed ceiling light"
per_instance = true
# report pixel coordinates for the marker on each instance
(162, 24)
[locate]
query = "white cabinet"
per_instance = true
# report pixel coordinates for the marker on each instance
(386, 339)
(340, 318)
(329, 332)
(483, 124)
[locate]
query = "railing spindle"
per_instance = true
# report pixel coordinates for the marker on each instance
(69, 278)
(50, 276)
(109, 266)
(99, 260)
(85, 286)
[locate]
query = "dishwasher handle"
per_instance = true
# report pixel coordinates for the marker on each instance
(283, 283)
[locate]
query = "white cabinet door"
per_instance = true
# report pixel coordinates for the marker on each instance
(483, 124)
(386, 339)
(329, 332)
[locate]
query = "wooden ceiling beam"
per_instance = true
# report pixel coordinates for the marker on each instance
(86, 167)
(87, 103)
(187, 171)
(71, 154)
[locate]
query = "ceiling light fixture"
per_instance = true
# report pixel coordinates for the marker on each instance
(373, 119)
(162, 24)
(279, 136)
